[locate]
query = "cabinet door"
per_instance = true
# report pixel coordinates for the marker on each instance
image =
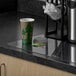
(10, 66)
(17, 67)
(33, 69)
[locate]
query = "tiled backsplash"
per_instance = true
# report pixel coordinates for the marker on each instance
(33, 7)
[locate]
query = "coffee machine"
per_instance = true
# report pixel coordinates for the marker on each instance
(70, 26)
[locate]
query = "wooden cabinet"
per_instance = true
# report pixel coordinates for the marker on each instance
(17, 67)
(10, 66)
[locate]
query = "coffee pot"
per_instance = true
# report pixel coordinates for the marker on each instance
(71, 20)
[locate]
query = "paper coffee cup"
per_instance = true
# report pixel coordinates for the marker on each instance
(26, 30)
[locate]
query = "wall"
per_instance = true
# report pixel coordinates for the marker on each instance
(8, 5)
(33, 7)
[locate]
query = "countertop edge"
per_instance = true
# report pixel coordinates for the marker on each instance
(39, 60)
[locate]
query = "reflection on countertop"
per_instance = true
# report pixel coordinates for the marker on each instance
(66, 52)
(54, 50)
(45, 50)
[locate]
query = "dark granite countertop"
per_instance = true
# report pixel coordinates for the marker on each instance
(54, 53)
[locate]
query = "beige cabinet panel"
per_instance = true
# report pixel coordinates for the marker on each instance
(19, 67)
(33, 69)
(11, 67)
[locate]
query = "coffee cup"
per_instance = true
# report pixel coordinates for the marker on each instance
(26, 30)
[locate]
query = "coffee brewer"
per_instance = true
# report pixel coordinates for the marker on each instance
(67, 30)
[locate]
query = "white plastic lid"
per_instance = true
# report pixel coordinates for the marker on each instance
(27, 20)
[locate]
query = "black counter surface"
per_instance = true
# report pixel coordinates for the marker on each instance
(54, 53)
